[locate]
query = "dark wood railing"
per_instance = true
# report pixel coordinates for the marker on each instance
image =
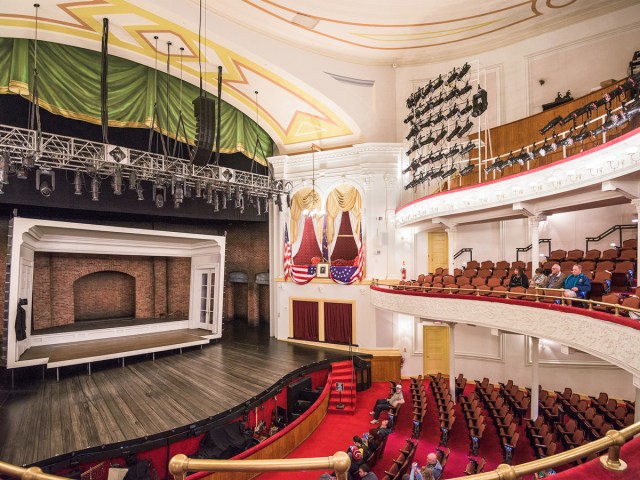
(615, 228)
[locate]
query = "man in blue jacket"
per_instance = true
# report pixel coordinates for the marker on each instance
(576, 285)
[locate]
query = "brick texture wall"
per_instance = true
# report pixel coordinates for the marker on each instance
(56, 274)
(90, 301)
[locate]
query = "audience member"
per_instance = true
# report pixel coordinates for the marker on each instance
(366, 473)
(434, 465)
(556, 279)
(386, 403)
(539, 278)
(518, 279)
(577, 284)
(384, 429)
(374, 440)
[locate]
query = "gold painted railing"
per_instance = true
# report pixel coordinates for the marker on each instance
(180, 464)
(479, 292)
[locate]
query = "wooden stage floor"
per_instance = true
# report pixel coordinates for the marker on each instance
(40, 419)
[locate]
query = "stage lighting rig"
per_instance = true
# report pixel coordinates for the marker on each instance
(452, 76)
(468, 169)
(95, 189)
(466, 89)
(45, 181)
(479, 101)
(464, 70)
(465, 129)
(454, 132)
(551, 124)
(468, 107)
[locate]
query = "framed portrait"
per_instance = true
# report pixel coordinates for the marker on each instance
(322, 270)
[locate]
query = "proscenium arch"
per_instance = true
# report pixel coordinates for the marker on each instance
(612, 342)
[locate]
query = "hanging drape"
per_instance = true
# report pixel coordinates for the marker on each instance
(305, 320)
(344, 198)
(69, 85)
(337, 322)
(308, 199)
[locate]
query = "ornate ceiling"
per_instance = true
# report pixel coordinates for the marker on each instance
(375, 32)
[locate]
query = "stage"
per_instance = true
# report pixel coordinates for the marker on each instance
(40, 418)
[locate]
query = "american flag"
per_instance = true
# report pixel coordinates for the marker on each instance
(287, 253)
(325, 243)
(348, 275)
(300, 274)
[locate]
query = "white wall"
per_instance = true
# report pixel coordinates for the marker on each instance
(479, 354)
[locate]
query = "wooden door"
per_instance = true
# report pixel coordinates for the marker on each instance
(435, 345)
(438, 250)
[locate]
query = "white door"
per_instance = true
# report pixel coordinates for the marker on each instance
(206, 317)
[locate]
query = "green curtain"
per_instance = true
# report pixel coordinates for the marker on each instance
(69, 85)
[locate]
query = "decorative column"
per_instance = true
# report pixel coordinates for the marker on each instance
(534, 232)
(452, 362)
(636, 203)
(535, 376)
(451, 237)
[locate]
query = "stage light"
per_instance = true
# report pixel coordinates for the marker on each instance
(454, 132)
(178, 195)
(452, 76)
(468, 107)
(198, 188)
(140, 192)
(552, 123)
(117, 181)
(45, 182)
(451, 113)
(259, 207)
(448, 173)
(28, 161)
(479, 101)
(468, 169)
(288, 200)
(239, 199)
(133, 180)
(77, 183)
(22, 173)
(223, 197)
(453, 93)
(241, 205)
(209, 194)
(266, 206)
(464, 70)
(465, 129)
(467, 148)
(5, 160)
(216, 202)
(95, 189)
(228, 190)
(466, 89)
(159, 193)
(278, 199)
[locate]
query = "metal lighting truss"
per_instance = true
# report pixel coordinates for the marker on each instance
(98, 159)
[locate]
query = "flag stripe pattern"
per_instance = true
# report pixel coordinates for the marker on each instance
(287, 253)
(348, 275)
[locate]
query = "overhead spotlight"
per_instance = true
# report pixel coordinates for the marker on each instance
(45, 181)
(5, 160)
(209, 193)
(29, 161)
(464, 90)
(465, 129)
(446, 174)
(77, 183)
(140, 192)
(278, 199)
(479, 101)
(198, 188)
(216, 202)
(454, 132)
(453, 93)
(22, 173)
(266, 204)
(440, 136)
(241, 205)
(452, 76)
(467, 148)
(451, 113)
(228, 190)
(464, 70)
(159, 193)
(239, 199)
(437, 84)
(467, 108)
(468, 169)
(552, 123)
(133, 180)
(117, 181)
(288, 200)
(178, 195)
(258, 206)
(95, 189)
(224, 200)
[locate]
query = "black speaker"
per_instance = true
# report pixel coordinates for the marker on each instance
(479, 101)
(204, 109)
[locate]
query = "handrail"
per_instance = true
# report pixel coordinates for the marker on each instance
(464, 250)
(609, 231)
(477, 292)
(530, 246)
(180, 465)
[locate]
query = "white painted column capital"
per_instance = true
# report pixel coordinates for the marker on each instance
(367, 179)
(390, 181)
(534, 232)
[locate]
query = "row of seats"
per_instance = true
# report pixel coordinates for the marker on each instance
(445, 406)
(419, 399)
(402, 463)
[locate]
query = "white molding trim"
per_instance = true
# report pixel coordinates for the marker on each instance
(528, 361)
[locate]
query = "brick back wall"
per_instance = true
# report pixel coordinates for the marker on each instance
(178, 286)
(55, 275)
(104, 295)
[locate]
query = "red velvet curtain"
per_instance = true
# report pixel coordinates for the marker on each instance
(337, 322)
(305, 320)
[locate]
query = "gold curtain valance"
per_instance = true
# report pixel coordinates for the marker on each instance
(308, 199)
(344, 198)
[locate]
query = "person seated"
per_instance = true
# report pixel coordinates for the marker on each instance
(385, 404)
(434, 465)
(365, 472)
(539, 278)
(384, 429)
(518, 279)
(423, 473)
(373, 440)
(556, 279)
(577, 284)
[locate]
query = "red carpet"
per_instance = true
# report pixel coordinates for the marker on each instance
(336, 433)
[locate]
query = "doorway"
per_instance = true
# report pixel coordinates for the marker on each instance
(435, 345)
(438, 251)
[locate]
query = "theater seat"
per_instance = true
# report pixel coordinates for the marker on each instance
(574, 255)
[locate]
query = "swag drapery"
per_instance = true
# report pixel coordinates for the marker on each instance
(69, 85)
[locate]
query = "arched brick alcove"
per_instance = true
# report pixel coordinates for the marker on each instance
(104, 295)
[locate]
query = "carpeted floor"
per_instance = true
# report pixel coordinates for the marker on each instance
(336, 433)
